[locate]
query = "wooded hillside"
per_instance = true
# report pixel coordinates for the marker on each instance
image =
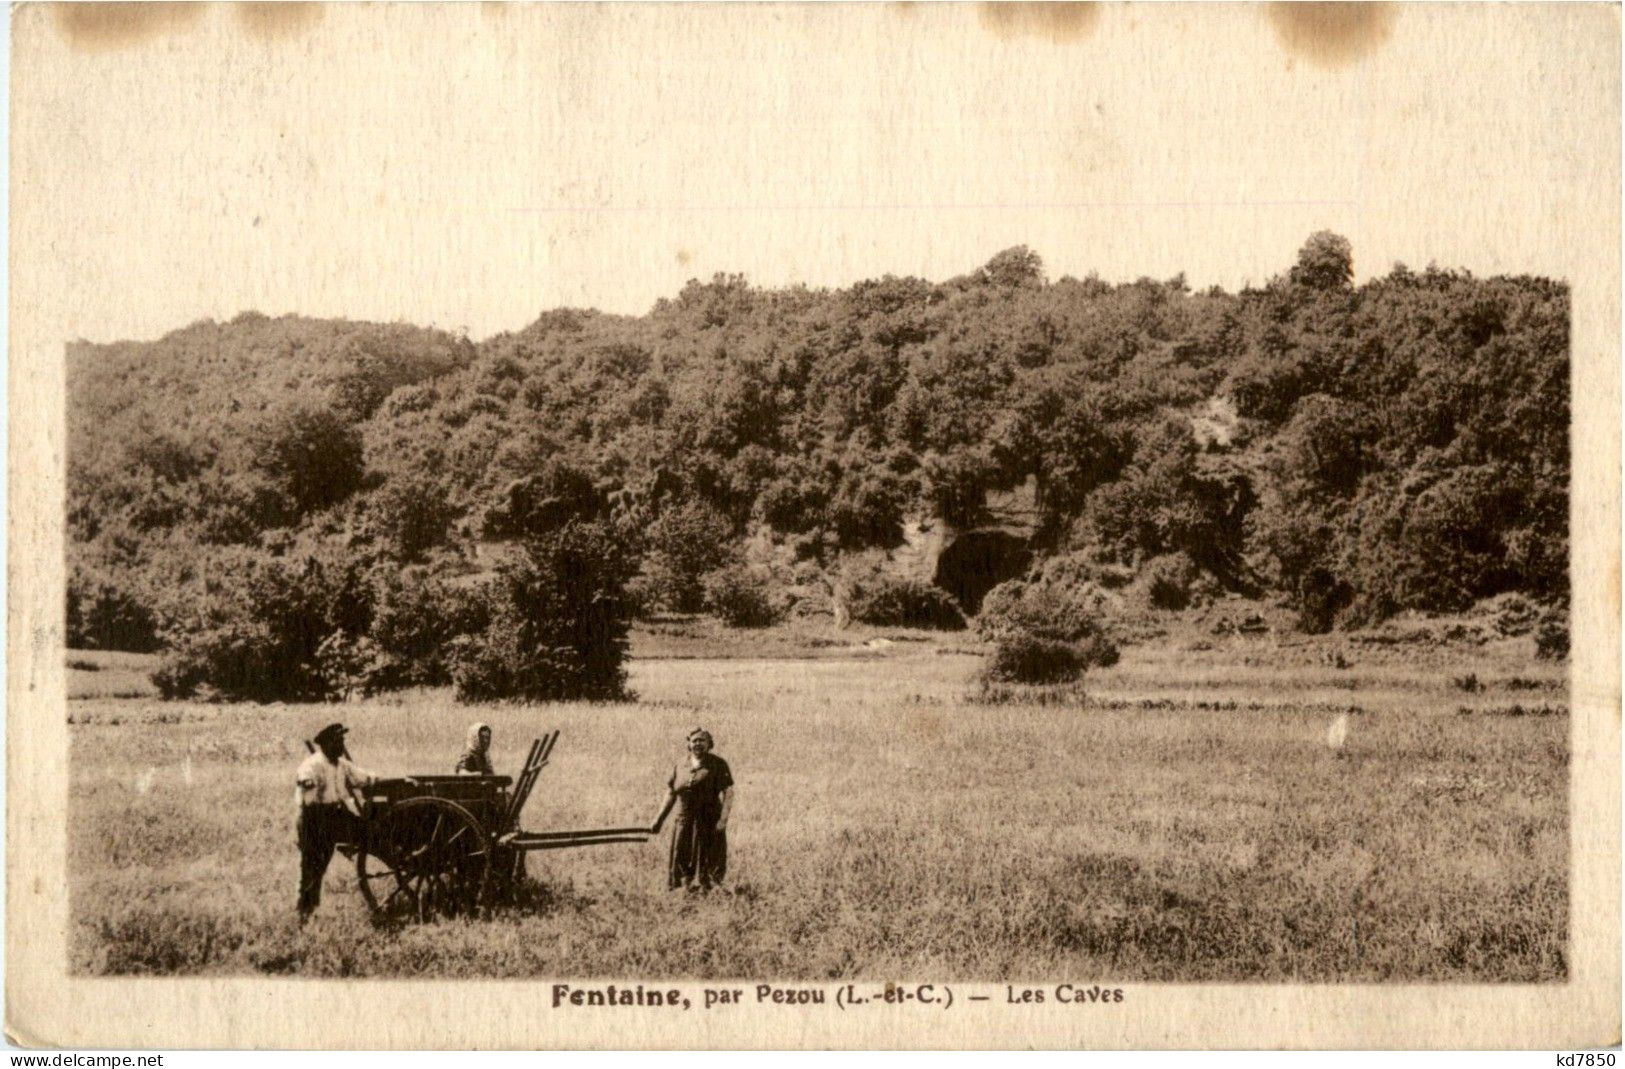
(1402, 444)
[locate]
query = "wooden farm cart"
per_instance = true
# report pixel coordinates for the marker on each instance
(442, 845)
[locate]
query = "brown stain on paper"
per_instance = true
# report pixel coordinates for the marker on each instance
(108, 27)
(1332, 34)
(97, 27)
(274, 21)
(1061, 23)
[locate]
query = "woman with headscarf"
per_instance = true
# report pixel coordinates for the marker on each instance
(476, 759)
(701, 790)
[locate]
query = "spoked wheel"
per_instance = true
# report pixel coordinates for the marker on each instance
(424, 858)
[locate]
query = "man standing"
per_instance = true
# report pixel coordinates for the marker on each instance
(328, 780)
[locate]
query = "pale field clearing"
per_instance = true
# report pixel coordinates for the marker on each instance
(1185, 820)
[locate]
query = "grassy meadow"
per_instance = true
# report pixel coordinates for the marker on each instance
(1180, 816)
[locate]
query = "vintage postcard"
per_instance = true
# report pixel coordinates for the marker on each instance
(814, 526)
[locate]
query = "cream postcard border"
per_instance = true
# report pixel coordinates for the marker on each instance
(45, 1006)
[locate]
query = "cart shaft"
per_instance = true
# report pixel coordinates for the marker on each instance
(562, 840)
(572, 844)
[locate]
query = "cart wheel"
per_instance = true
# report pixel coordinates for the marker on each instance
(424, 858)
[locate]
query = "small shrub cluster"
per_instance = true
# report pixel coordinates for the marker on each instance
(889, 601)
(1515, 614)
(252, 628)
(1168, 581)
(414, 618)
(104, 614)
(325, 623)
(642, 596)
(1044, 632)
(1030, 659)
(1321, 598)
(1552, 636)
(741, 597)
(349, 664)
(329, 624)
(1061, 612)
(1099, 651)
(1468, 683)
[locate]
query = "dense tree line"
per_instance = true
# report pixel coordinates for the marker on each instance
(1402, 444)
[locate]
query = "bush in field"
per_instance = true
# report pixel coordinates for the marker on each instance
(252, 627)
(414, 618)
(106, 614)
(1320, 597)
(741, 597)
(1045, 632)
(409, 515)
(1552, 636)
(890, 601)
(1168, 581)
(642, 596)
(541, 501)
(557, 624)
(1063, 612)
(1024, 658)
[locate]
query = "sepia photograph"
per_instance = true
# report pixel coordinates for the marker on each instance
(871, 525)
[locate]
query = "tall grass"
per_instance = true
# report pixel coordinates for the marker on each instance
(1184, 820)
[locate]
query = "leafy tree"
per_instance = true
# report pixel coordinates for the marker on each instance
(956, 485)
(310, 453)
(557, 623)
(1016, 266)
(410, 515)
(685, 544)
(1326, 262)
(867, 508)
(543, 501)
(105, 614)
(889, 601)
(741, 597)
(415, 618)
(1168, 502)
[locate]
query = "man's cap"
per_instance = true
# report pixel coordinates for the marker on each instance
(331, 733)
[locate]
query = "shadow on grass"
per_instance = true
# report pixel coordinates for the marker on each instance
(530, 897)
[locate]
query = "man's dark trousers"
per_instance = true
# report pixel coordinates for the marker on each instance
(321, 828)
